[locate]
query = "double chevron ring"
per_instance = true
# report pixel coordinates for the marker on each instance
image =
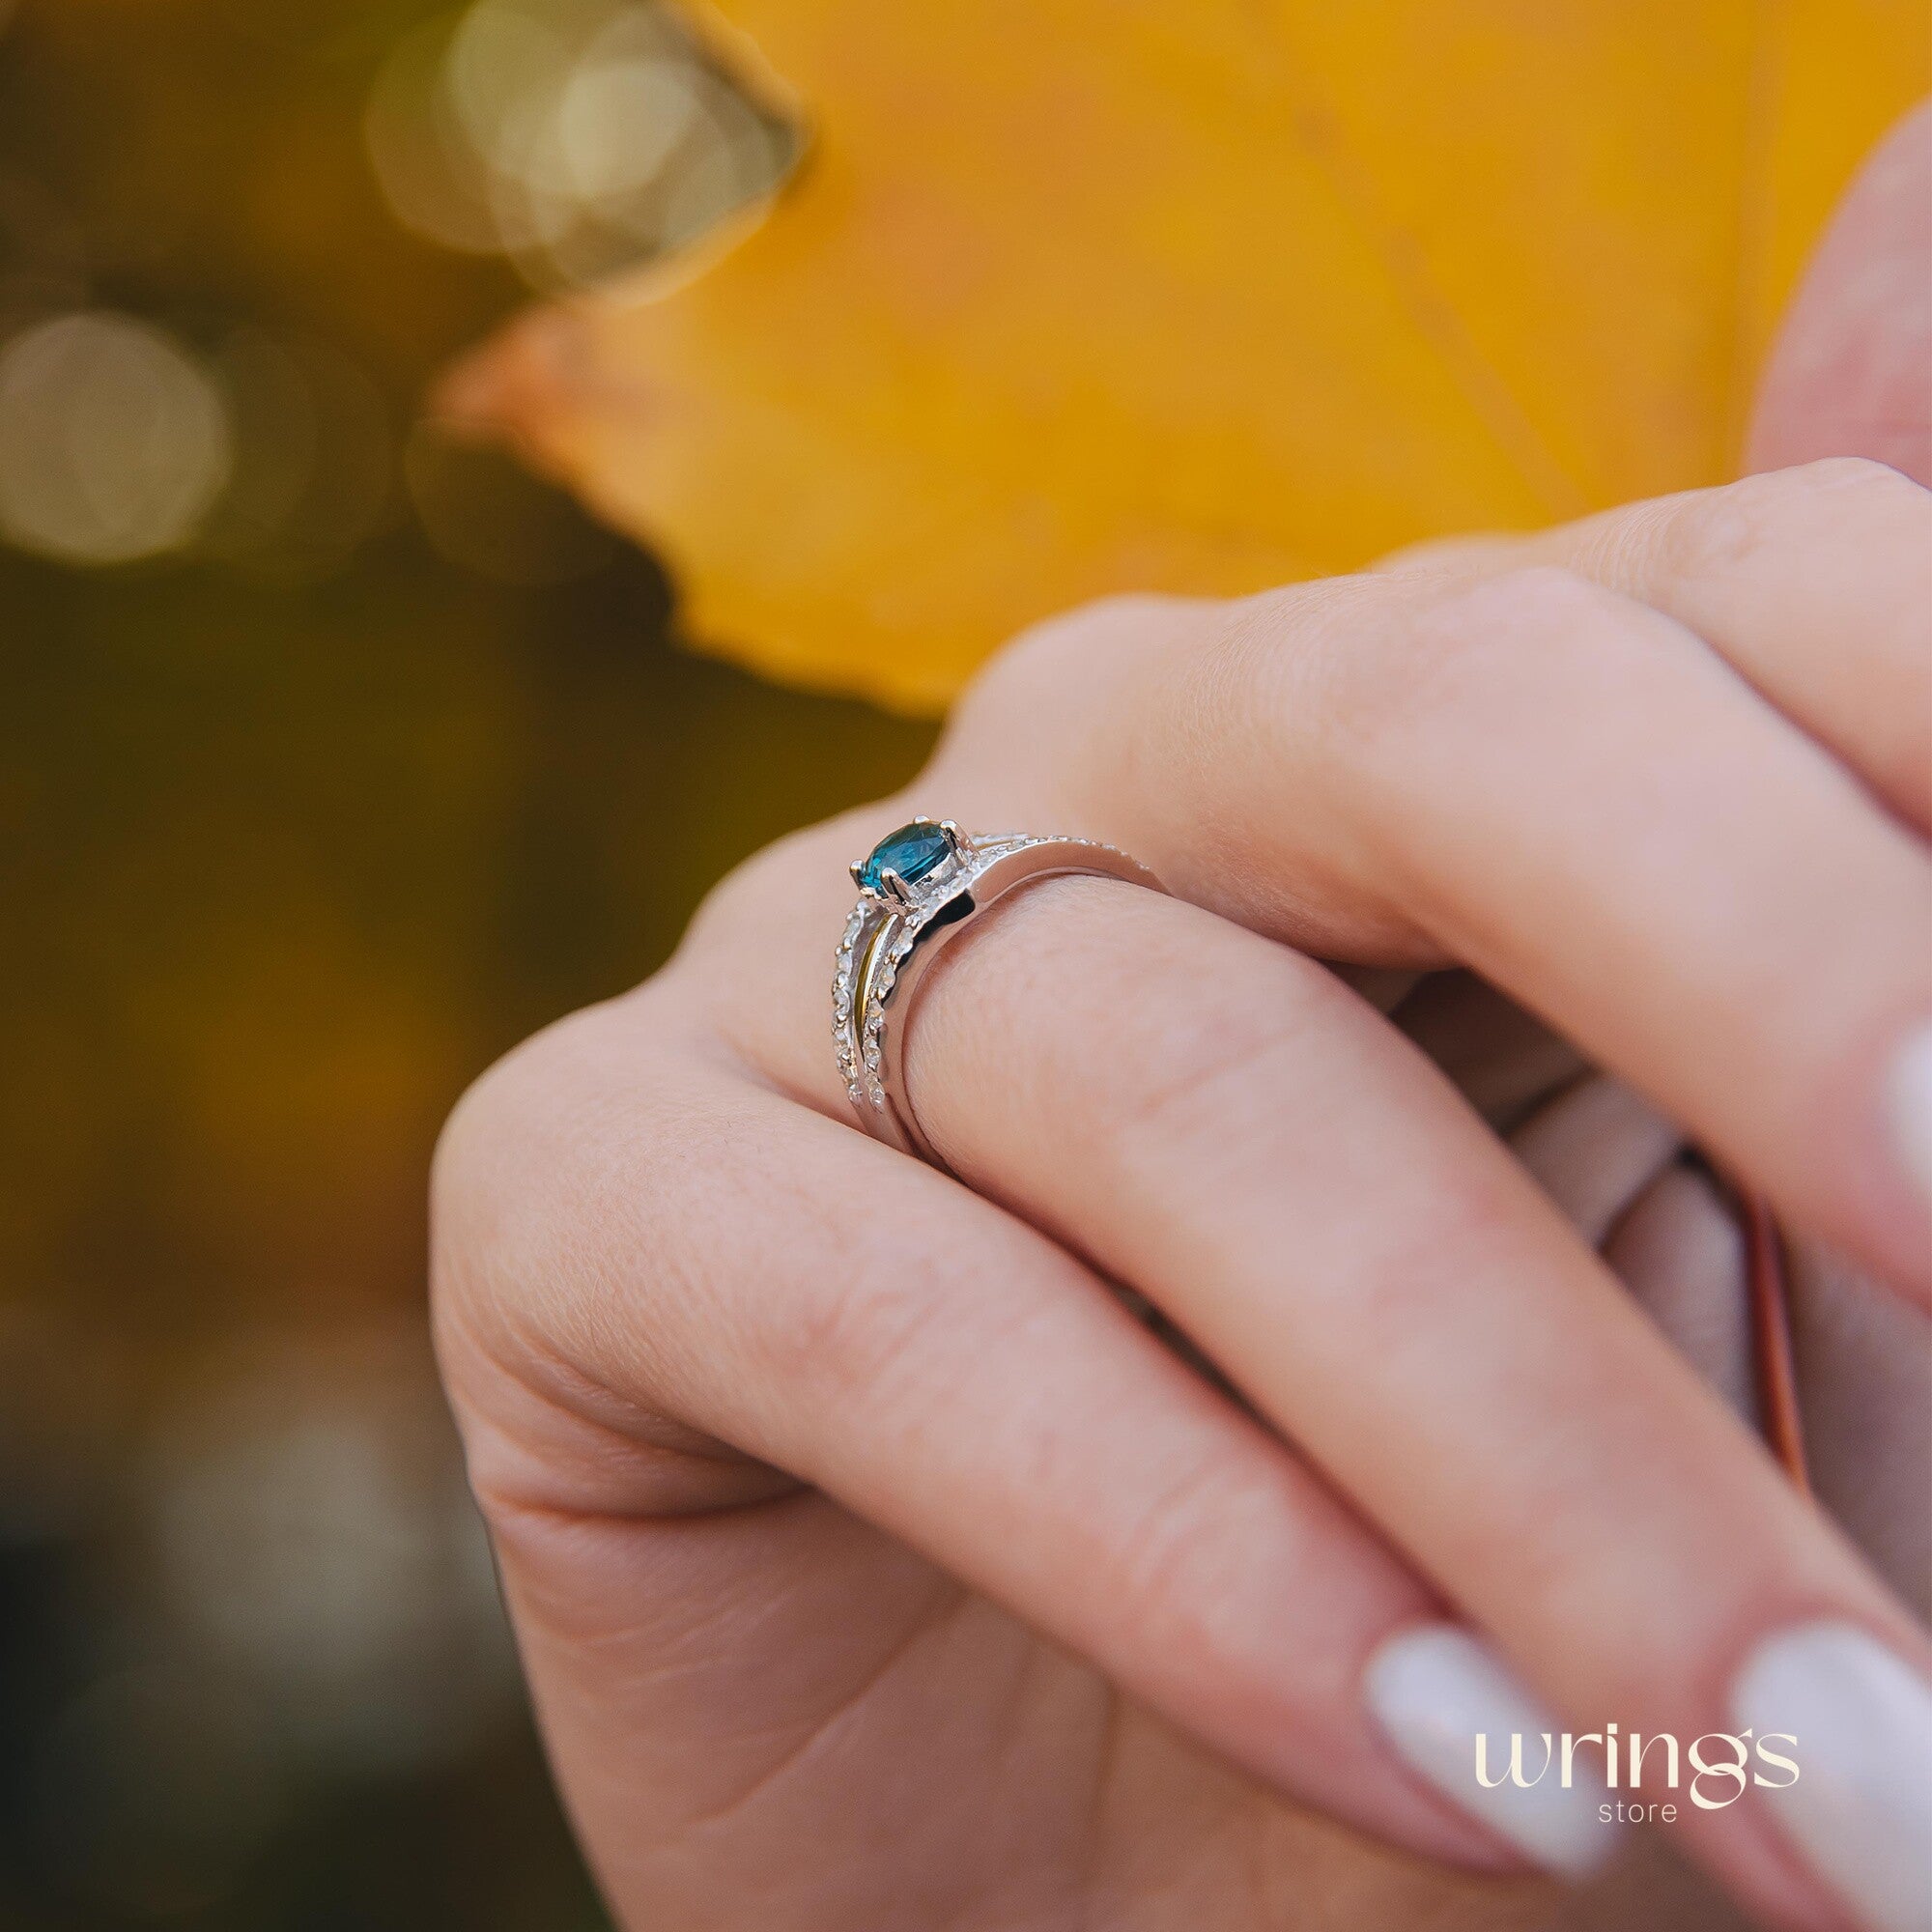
(918, 888)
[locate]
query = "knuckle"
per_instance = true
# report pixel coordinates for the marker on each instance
(494, 1113)
(1426, 661)
(1280, 630)
(515, 1147)
(1045, 675)
(1069, 638)
(1713, 532)
(1830, 475)
(1289, 663)
(573, 1196)
(1525, 598)
(471, 1153)
(478, 1194)
(1494, 624)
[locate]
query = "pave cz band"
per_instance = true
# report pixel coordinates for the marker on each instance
(918, 888)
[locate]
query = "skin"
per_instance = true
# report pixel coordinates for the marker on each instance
(874, 1568)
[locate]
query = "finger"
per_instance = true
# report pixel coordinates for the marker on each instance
(1852, 371)
(1815, 582)
(1563, 790)
(1866, 1360)
(1680, 1253)
(646, 1237)
(1457, 1361)
(1593, 1150)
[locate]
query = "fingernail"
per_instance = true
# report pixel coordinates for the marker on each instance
(1859, 1811)
(1434, 1689)
(1912, 1108)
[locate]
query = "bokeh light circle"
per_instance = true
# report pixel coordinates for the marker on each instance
(114, 441)
(619, 121)
(578, 138)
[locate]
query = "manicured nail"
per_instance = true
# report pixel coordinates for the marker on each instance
(1912, 1108)
(1859, 1811)
(1435, 1689)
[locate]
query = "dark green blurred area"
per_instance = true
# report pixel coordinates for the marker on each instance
(295, 836)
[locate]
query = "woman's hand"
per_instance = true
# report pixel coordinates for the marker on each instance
(874, 1568)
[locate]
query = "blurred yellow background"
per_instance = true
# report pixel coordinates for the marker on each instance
(332, 760)
(1197, 299)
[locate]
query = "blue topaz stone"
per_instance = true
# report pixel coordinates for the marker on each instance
(914, 852)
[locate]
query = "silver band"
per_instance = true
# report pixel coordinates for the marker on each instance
(899, 927)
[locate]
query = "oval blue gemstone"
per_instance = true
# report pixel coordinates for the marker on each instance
(912, 852)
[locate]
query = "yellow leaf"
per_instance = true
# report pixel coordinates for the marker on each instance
(1102, 295)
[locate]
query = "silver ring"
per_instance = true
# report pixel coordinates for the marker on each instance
(918, 888)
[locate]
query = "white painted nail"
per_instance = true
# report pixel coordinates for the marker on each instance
(1434, 1689)
(1910, 1099)
(1860, 1809)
